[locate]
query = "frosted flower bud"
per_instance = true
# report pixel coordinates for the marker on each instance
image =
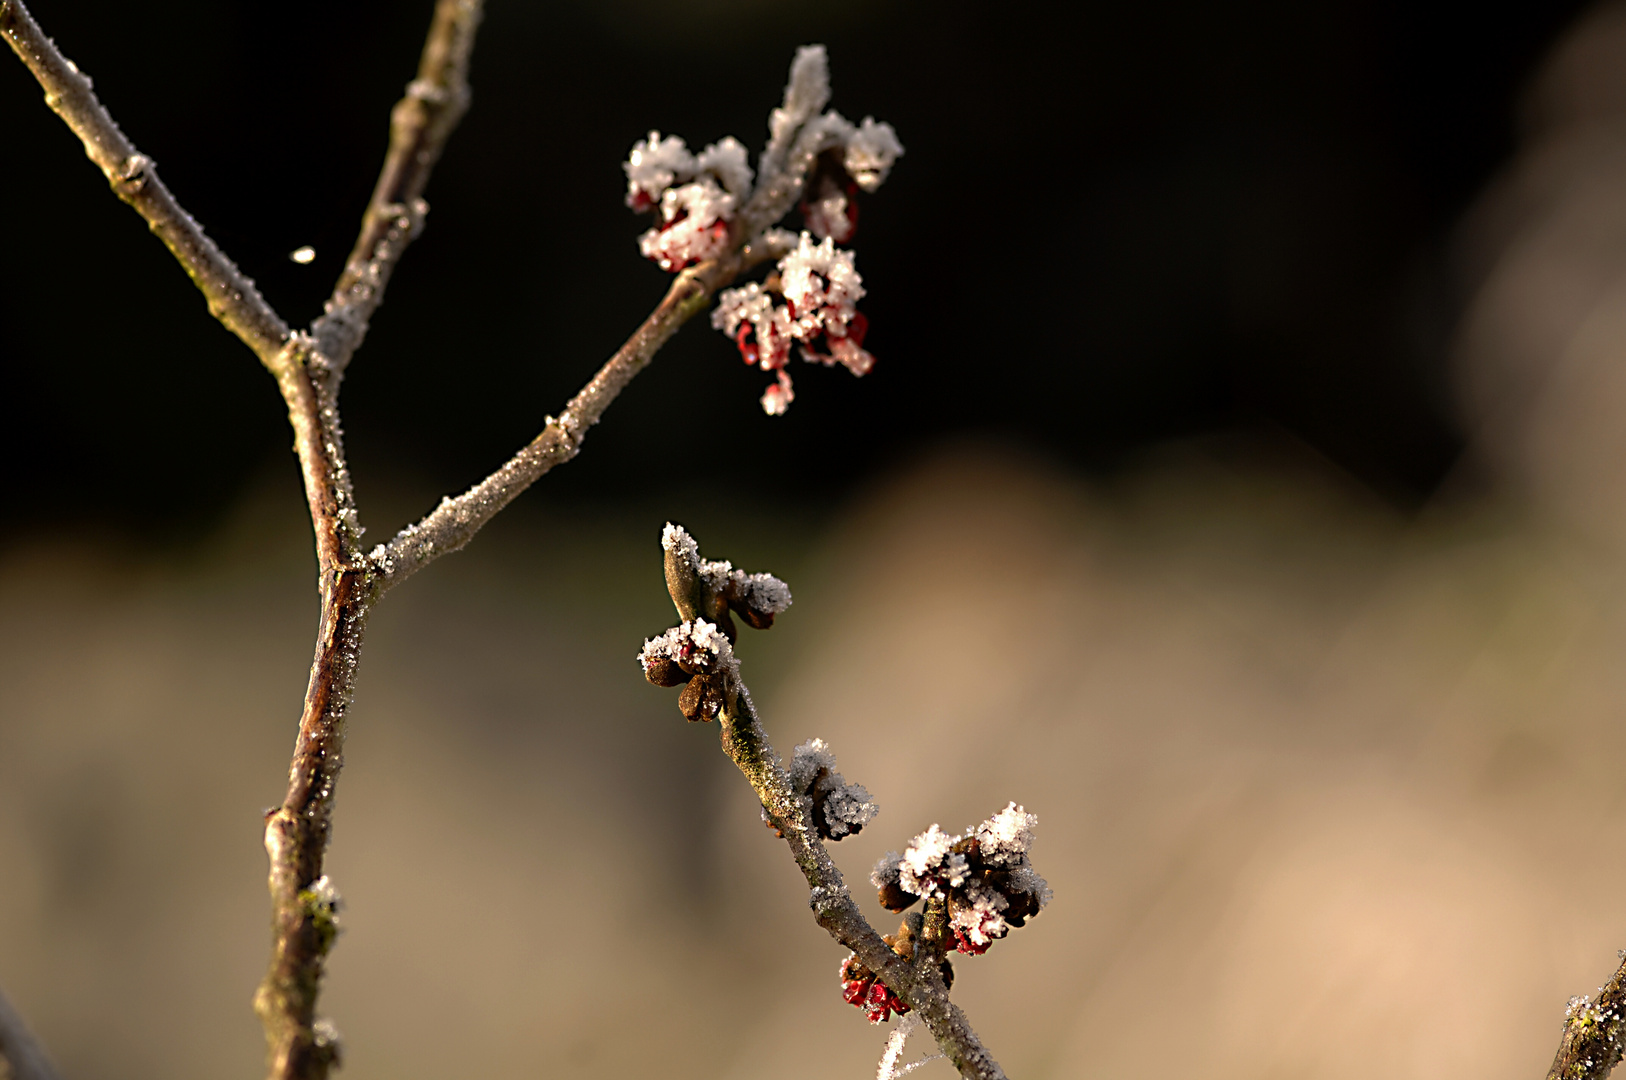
(838, 808)
(729, 163)
(654, 165)
(694, 226)
(871, 152)
(821, 284)
(974, 917)
(831, 214)
(889, 891)
(1004, 839)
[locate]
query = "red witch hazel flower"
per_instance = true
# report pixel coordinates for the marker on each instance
(711, 204)
(860, 988)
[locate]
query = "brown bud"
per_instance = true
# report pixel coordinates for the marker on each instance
(894, 897)
(903, 942)
(1023, 905)
(726, 625)
(663, 671)
(689, 701)
(756, 620)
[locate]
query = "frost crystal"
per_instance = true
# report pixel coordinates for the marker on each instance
(654, 165)
(806, 761)
(839, 808)
(821, 284)
(871, 152)
(756, 597)
(694, 225)
(696, 645)
(1004, 839)
(807, 92)
(924, 860)
(726, 161)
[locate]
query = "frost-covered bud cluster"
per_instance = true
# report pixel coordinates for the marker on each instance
(710, 203)
(696, 197)
(983, 876)
(756, 598)
(839, 809)
(697, 655)
(818, 286)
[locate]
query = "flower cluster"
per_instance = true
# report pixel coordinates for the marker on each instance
(707, 205)
(819, 287)
(984, 877)
(690, 654)
(695, 197)
(838, 808)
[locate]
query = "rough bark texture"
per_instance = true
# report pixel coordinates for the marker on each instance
(1594, 1033)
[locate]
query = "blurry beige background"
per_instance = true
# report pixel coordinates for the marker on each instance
(1325, 791)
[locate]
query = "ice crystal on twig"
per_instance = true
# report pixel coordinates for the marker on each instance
(871, 153)
(889, 1069)
(839, 809)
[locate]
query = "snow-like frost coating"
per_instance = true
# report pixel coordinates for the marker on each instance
(922, 860)
(654, 165)
(1006, 837)
(846, 807)
(696, 643)
(806, 761)
(728, 162)
(694, 225)
(849, 808)
(872, 150)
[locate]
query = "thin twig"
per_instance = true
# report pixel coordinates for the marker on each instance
(454, 522)
(746, 743)
(232, 297)
(419, 125)
(1594, 1033)
(19, 1049)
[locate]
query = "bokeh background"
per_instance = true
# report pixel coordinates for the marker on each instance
(1238, 489)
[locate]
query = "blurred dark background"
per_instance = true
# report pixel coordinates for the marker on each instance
(1115, 223)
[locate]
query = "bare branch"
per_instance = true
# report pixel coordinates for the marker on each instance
(746, 743)
(19, 1049)
(454, 522)
(1594, 1033)
(232, 297)
(419, 125)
